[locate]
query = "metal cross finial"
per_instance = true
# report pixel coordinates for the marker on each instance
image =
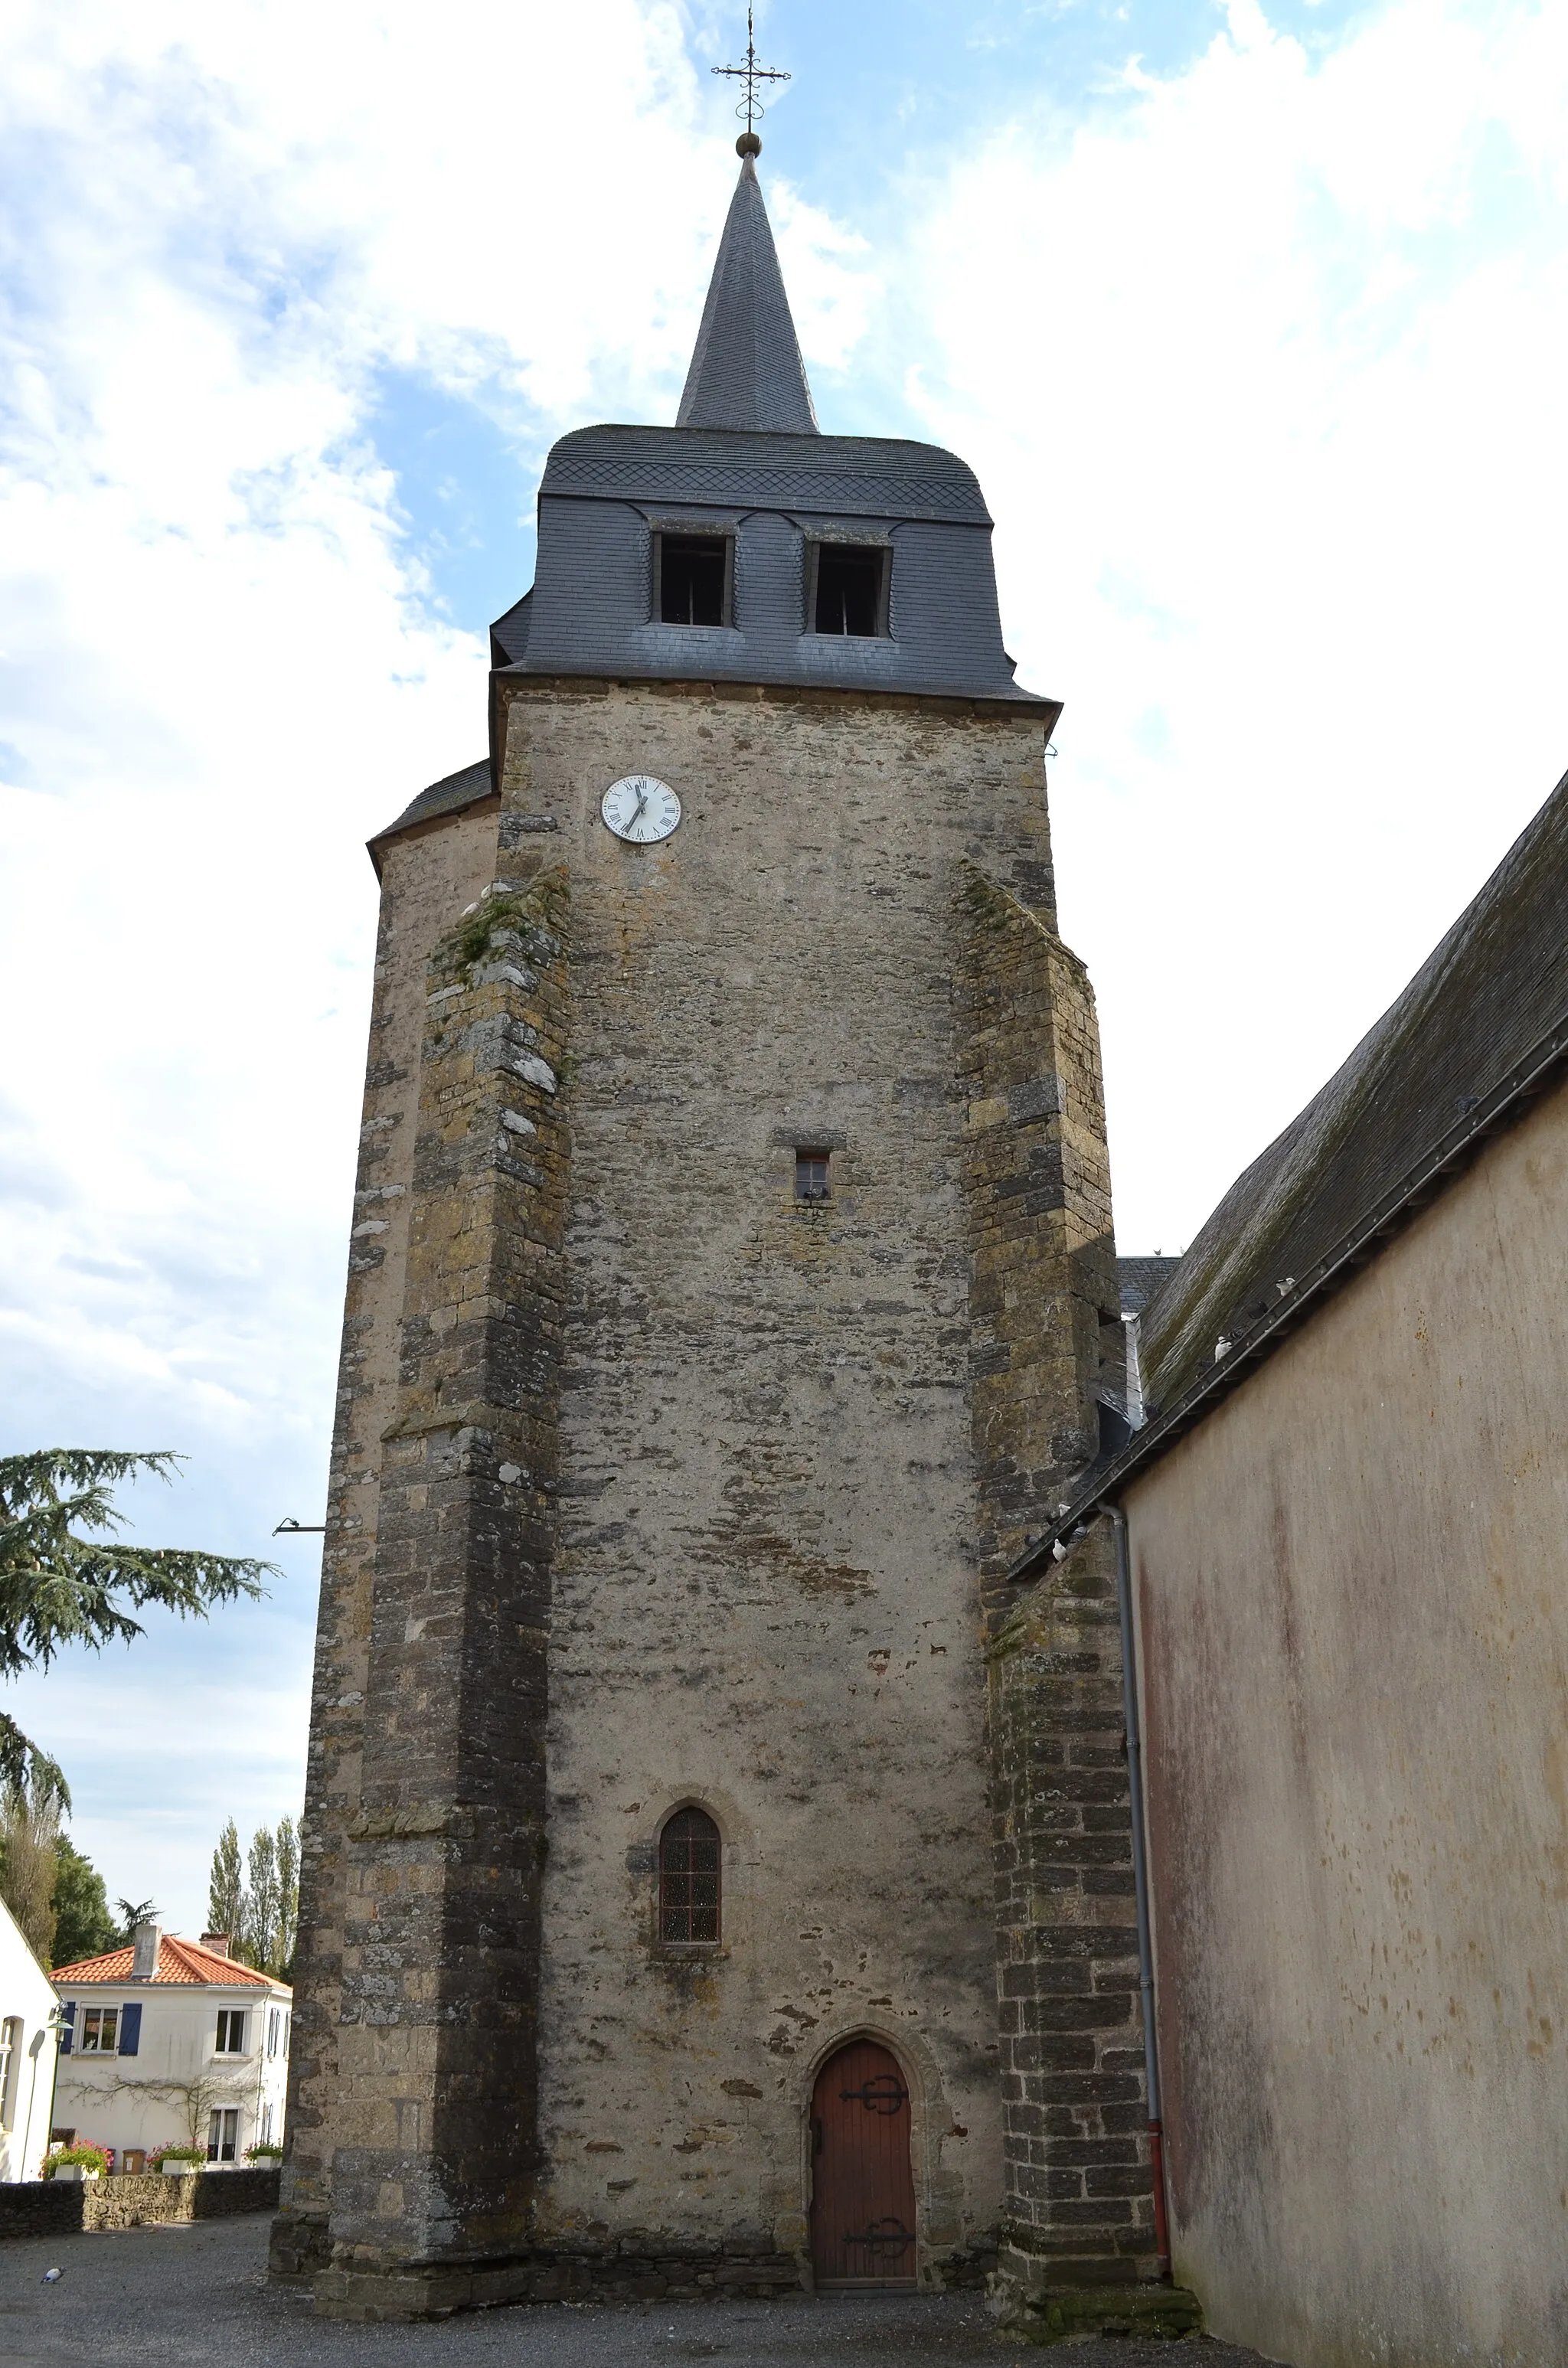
(751, 107)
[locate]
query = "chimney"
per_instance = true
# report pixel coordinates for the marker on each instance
(217, 1942)
(144, 1964)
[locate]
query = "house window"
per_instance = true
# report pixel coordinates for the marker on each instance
(10, 2064)
(223, 2134)
(688, 1879)
(288, 2029)
(100, 2031)
(811, 1174)
(273, 2020)
(267, 2125)
(692, 575)
(230, 2031)
(849, 588)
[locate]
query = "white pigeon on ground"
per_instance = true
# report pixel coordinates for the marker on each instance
(52, 2277)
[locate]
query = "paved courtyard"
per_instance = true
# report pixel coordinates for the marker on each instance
(198, 2293)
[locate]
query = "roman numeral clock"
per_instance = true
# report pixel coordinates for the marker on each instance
(640, 809)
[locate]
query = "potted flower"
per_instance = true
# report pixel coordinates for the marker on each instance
(266, 2152)
(174, 2161)
(85, 2161)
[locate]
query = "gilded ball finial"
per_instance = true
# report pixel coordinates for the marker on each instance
(748, 144)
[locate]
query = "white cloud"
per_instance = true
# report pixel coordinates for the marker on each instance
(1260, 366)
(221, 669)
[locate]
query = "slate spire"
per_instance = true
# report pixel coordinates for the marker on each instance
(746, 369)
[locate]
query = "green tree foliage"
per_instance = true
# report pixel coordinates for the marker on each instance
(83, 1925)
(287, 1895)
(226, 1887)
(30, 1857)
(260, 1911)
(261, 1900)
(131, 1913)
(59, 1587)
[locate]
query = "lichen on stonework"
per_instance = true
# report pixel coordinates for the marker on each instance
(512, 917)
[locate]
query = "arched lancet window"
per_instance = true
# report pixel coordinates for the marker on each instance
(688, 1878)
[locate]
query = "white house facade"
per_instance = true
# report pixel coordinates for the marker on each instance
(29, 2013)
(171, 2042)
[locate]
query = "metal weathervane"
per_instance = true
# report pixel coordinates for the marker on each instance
(751, 107)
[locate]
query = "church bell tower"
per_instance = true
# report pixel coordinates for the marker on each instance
(729, 1257)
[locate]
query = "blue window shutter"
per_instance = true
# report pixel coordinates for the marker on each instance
(130, 2029)
(67, 2017)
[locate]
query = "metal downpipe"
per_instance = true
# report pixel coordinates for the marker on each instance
(1140, 1881)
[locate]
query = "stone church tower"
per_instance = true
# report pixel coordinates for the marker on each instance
(731, 1257)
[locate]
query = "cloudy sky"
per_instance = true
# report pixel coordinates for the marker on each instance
(1251, 317)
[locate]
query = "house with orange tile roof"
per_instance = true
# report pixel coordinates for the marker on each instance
(172, 2042)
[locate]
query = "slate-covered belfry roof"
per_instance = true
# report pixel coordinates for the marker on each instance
(746, 461)
(844, 476)
(746, 369)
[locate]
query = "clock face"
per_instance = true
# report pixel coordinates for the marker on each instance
(640, 809)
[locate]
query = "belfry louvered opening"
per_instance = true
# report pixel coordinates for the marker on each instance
(693, 578)
(849, 590)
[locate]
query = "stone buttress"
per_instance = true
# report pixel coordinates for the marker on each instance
(1078, 2201)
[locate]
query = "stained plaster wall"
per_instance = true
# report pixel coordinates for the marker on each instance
(1354, 1645)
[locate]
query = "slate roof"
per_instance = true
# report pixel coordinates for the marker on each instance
(746, 369)
(449, 795)
(747, 462)
(842, 476)
(1478, 1035)
(1140, 1279)
(184, 1963)
(1492, 991)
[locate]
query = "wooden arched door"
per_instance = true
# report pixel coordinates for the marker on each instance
(862, 2181)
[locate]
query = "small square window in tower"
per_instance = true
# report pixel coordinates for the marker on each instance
(850, 589)
(812, 1174)
(693, 579)
(688, 1879)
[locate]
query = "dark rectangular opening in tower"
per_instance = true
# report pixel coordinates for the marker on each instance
(694, 572)
(812, 1174)
(851, 588)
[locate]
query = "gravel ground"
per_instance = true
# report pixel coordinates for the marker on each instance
(199, 2293)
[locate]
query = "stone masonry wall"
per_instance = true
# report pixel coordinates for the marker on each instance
(1037, 1189)
(427, 878)
(765, 1595)
(789, 1450)
(1079, 2207)
(1078, 2199)
(435, 2115)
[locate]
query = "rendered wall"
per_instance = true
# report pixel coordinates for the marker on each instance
(28, 1998)
(1354, 1644)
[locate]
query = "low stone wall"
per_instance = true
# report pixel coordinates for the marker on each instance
(131, 2200)
(64, 2207)
(41, 2207)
